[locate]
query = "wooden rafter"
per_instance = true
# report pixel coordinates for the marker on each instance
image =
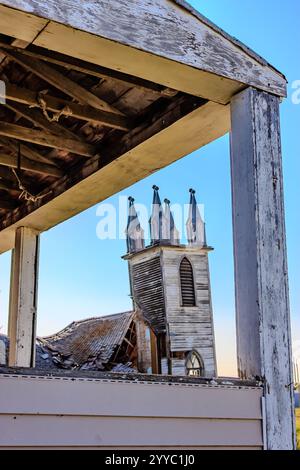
(7, 205)
(8, 178)
(78, 111)
(8, 185)
(26, 164)
(36, 117)
(46, 139)
(27, 151)
(60, 81)
(87, 68)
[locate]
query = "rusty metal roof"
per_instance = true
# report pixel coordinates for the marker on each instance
(87, 343)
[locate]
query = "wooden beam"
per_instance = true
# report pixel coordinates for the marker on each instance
(6, 174)
(205, 62)
(23, 302)
(46, 139)
(27, 151)
(61, 82)
(9, 185)
(78, 111)
(97, 179)
(106, 37)
(34, 166)
(7, 205)
(261, 277)
(87, 68)
(37, 118)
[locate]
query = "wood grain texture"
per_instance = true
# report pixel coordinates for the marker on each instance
(60, 81)
(96, 181)
(190, 328)
(15, 23)
(162, 28)
(46, 139)
(23, 301)
(261, 277)
(55, 105)
(148, 290)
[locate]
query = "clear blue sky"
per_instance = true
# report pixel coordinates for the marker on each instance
(81, 276)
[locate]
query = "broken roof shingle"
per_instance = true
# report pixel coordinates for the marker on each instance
(88, 343)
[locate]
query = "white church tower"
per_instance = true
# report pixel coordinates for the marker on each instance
(170, 287)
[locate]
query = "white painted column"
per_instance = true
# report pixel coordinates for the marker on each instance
(261, 277)
(23, 298)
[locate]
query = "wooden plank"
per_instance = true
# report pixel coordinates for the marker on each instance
(8, 185)
(98, 179)
(23, 303)
(15, 23)
(200, 46)
(60, 81)
(7, 205)
(71, 63)
(26, 164)
(37, 118)
(261, 278)
(27, 151)
(7, 175)
(46, 139)
(78, 111)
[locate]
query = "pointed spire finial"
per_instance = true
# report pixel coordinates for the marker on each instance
(134, 232)
(156, 219)
(170, 232)
(195, 226)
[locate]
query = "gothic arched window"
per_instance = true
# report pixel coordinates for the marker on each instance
(187, 284)
(194, 364)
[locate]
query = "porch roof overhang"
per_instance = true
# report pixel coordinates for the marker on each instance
(175, 73)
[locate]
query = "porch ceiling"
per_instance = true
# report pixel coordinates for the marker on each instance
(125, 105)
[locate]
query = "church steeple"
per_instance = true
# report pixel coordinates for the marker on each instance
(170, 232)
(195, 226)
(156, 219)
(170, 287)
(134, 232)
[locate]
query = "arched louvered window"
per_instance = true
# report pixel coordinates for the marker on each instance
(187, 284)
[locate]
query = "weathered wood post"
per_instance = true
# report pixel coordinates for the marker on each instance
(261, 277)
(23, 298)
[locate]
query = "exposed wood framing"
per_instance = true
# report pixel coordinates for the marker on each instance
(8, 185)
(46, 139)
(99, 178)
(26, 164)
(27, 151)
(201, 61)
(37, 119)
(88, 68)
(55, 105)
(261, 277)
(8, 205)
(60, 81)
(23, 302)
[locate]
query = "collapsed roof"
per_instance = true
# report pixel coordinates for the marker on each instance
(101, 343)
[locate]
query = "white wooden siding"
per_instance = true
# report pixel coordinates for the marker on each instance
(189, 327)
